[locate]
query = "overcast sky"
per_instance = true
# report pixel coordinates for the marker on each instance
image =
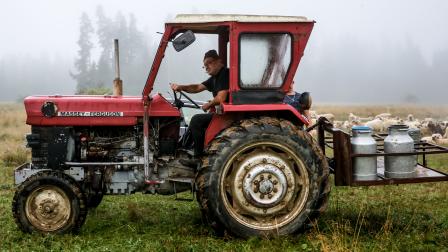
(50, 27)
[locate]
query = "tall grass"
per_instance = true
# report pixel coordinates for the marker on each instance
(12, 133)
(378, 218)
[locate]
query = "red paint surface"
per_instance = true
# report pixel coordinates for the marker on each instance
(236, 112)
(131, 106)
(228, 108)
(217, 124)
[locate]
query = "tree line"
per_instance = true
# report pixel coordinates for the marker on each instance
(93, 75)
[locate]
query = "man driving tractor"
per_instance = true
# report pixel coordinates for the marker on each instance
(218, 84)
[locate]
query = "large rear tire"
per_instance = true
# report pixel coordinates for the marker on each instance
(262, 177)
(49, 202)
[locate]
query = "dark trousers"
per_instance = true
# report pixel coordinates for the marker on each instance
(198, 126)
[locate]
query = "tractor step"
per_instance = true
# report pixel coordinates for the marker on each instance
(186, 181)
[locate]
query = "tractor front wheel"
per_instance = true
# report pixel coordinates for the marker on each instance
(49, 202)
(263, 177)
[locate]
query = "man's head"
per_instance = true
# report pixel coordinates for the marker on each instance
(212, 62)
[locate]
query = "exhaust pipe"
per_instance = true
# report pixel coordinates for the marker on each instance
(118, 84)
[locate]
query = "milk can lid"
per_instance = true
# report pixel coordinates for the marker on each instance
(399, 126)
(356, 128)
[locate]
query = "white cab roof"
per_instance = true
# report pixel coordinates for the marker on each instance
(210, 18)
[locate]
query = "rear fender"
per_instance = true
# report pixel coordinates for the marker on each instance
(234, 113)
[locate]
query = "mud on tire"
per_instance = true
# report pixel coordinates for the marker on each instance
(262, 177)
(49, 202)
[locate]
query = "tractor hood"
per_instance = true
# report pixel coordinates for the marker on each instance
(93, 110)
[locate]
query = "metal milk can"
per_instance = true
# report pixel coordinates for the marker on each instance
(399, 140)
(363, 143)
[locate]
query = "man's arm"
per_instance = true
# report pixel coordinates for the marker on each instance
(218, 99)
(191, 88)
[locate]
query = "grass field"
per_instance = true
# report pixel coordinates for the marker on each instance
(390, 218)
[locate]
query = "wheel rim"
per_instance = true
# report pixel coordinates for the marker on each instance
(48, 208)
(264, 185)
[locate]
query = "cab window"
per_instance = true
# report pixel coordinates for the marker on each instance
(264, 60)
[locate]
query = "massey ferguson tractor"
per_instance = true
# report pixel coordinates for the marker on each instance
(262, 173)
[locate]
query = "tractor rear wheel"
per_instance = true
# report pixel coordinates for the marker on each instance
(262, 177)
(49, 202)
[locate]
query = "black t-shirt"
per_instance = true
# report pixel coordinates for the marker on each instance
(218, 82)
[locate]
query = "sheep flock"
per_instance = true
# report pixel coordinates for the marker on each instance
(432, 131)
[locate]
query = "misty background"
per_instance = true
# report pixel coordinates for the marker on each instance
(360, 51)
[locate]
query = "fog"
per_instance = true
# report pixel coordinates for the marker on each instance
(359, 51)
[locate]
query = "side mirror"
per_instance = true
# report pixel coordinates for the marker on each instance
(305, 101)
(184, 40)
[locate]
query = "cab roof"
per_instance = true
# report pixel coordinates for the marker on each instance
(213, 18)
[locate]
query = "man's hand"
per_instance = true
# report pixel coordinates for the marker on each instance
(206, 106)
(176, 87)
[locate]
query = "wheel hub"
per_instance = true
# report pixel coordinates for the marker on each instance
(265, 186)
(48, 208)
(266, 183)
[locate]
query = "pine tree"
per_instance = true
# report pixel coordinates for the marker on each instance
(136, 43)
(135, 56)
(84, 77)
(138, 58)
(120, 32)
(104, 74)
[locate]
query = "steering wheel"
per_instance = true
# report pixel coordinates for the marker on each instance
(179, 103)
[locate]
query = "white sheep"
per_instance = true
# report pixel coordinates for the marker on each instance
(349, 124)
(338, 124)
(438, 139)
(442, 141)
(329, 116)
(313, 114)
(413, 124)
(376, 124)
(391, 121)
(428, 139)
(369, 118)
(384, 116)
(352, 117)
(436, 136)
(428, 119)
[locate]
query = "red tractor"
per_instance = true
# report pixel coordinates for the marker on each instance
(262, 173)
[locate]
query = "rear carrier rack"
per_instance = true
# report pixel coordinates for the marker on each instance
(337, 147)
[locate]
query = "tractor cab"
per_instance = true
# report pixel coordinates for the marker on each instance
(261, 52)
